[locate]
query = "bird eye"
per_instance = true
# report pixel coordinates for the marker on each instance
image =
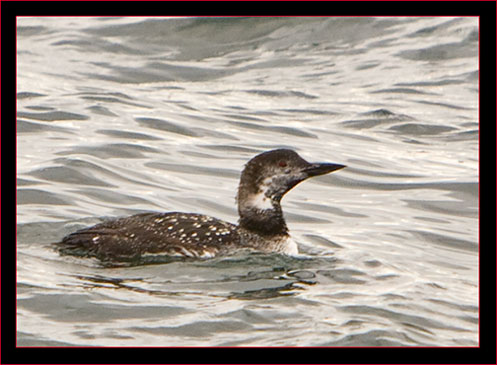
(282, 163)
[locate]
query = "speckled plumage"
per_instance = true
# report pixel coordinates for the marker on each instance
(264, 181)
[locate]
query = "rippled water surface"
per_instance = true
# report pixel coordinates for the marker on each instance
(124, 115)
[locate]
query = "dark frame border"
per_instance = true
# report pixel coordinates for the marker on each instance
(485, 353)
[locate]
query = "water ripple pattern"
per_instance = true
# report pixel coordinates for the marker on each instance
(124, 115)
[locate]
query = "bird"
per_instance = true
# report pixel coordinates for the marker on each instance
(261, 227)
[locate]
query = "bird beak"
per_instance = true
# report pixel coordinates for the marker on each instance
(317, 169)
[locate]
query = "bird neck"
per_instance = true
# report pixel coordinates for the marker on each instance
(265, 222)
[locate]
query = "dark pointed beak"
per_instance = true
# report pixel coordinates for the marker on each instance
(316, 169)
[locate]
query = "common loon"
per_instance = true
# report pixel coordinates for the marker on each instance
(261, 227)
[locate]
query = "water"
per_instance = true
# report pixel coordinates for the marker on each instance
(123, 115)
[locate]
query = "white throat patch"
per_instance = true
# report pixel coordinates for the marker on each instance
(260, 201)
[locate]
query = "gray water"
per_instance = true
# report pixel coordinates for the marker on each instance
(123, 115)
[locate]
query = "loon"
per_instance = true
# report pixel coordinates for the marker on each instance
(261, 226)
